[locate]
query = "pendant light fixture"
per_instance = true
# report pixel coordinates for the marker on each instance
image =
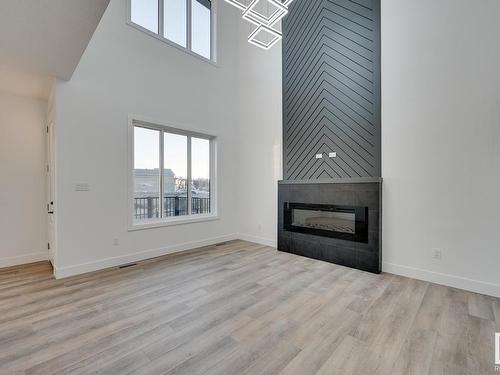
(265, 24)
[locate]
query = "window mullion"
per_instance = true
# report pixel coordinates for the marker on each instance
(189, 167)
(188, 24)
(211, 175)
(212, 33)
(161, 18)
(161, 172)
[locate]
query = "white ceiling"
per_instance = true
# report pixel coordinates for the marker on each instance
(45, 37)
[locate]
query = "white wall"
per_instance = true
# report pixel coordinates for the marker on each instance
(441, 141)
(124, 71)
(259, 119)
(23, 228)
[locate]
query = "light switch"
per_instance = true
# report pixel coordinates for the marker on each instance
(332, 154)
(82, 187)
(319, 156)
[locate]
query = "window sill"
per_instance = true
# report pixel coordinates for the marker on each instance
(170, 43)
(151, 224)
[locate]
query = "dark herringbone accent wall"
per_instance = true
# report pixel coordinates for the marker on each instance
(331, 89)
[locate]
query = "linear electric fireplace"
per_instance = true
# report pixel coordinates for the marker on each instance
(349, 223)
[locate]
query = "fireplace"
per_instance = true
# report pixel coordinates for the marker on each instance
(337, 221)
(349, 223)
(330, 198)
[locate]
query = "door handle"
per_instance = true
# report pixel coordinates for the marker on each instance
(51, 212)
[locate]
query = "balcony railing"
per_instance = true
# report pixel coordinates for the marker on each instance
(149, 207)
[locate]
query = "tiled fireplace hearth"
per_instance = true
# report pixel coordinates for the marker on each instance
(337, 221)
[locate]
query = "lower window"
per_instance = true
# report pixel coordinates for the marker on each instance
(172, 173)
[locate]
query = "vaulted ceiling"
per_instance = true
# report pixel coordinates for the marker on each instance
(47, 37)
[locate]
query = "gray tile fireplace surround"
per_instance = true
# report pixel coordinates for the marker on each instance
(359, 192)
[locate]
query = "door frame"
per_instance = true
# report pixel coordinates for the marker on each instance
(51, 204)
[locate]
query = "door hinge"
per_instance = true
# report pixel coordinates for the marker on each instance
(48, 245)
(47, 130)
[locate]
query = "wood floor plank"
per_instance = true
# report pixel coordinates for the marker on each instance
(115, 344)
(272, 361)
(240, 308)
(416, 354)
(322, 346)
(481, 306)
(126, 364)
(496, 309)
(29, 356)
(450, 350)
(269, 347)
(480, 345)
(108, 352)
(345, 358)
(391, 332)
(165, 358)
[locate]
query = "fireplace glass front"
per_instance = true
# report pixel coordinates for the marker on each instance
(349, 223)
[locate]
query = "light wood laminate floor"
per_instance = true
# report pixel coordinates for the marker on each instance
(242, 309)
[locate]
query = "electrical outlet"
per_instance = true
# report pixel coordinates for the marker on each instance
(116, 241)
(437, 254)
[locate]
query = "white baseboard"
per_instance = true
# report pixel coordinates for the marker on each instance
(458, 282)
(259, 240)
(62, 272)
(24, 259)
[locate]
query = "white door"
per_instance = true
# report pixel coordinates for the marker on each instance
(50, 193)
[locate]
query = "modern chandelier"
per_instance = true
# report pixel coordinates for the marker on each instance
(265, 23)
